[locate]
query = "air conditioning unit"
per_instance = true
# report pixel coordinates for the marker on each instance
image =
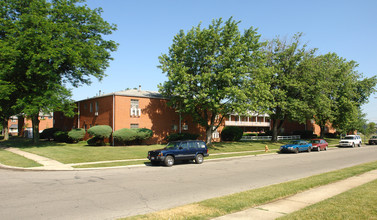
(96, 113)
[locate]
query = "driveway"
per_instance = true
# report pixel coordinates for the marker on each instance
(121, 192)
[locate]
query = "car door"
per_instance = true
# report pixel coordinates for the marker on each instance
(182, 151)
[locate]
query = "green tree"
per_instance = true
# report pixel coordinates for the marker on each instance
(214, 71)
(288, 82)
(48, 44)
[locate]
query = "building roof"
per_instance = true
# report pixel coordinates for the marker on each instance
(132, 93)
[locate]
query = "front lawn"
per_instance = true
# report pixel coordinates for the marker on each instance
(357, 203)
(11, 159)
(81, 152)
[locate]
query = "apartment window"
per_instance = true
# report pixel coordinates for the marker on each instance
(90, 107)
(97, 107)
(42, 117)
(134, 125)
(85, 106)
(185, 127)
(135, 110)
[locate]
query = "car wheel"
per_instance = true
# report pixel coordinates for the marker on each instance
(199, 159)
(353, 144)
(319, 149)
(169, 161)
(359, 144)
(296, 150)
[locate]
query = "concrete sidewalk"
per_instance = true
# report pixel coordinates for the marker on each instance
(301, 200)
(48, 164)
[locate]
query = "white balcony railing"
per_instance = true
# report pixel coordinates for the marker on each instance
(247, 123)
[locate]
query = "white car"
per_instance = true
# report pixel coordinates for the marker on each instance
(350, 141)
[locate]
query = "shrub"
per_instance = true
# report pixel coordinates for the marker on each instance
(48, 133)
(95, 141)
(131, 136)
(77, 134)
(304, 134)
(181, 136)
(62, 136)
(231, 133)
(250, 134)
(100, 132)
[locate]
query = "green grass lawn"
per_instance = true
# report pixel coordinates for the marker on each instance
(11, 159)
(357, 203)
(81, 152)
(224, 205)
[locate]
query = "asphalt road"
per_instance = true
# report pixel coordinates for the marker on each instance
(121, 192)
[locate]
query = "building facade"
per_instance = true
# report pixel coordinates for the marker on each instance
(21, 126)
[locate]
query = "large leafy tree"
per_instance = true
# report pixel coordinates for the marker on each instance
(48, 44)
(215, 71)
(288, 81)
(338, 91)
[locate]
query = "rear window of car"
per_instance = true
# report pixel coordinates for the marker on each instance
(349, 137)
(315, 141)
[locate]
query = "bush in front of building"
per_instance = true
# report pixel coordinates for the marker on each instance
(48, 133)
(230, 133)
(181, 136)
(126, 136)
(77, 134)
(99, 132)
(62, 136)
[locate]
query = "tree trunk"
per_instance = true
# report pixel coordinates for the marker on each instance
(322, 133)
(209, 135)
(21, 124)
(274, 130)
(35, 125)
(5, 129)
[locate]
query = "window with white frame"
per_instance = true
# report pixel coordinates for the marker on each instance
(134, 126)
(97, 107)
(135, 110)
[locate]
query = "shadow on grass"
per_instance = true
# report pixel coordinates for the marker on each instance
(20, 142)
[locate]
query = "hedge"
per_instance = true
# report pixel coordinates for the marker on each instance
(77, 134)
(100, 132)
(128, 136)
(181, 136)
(231, 133)
(62, 136)
(48, 133)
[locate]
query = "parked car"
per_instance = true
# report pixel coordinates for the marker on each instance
(319, 144)
(373, 140)
(296, 146)
(350, 141)
(179, 150)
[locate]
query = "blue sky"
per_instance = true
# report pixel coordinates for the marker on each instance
(146, 29)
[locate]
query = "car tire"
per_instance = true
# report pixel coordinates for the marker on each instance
(296, 150)
(319, 149)
(169, 161)
(199, 158)
(353, 145)
(359, 144)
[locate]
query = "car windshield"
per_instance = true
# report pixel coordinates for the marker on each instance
(315, 141)
(349, 137)
(172, 145)
(294, 142)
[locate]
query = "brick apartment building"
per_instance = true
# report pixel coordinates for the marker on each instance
(135, 108)
(21, 126)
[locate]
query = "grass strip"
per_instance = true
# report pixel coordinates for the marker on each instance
(357, 203)
(112, 164)
(240, 201)
(12, 159)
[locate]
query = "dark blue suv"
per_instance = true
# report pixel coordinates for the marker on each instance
(179, 150)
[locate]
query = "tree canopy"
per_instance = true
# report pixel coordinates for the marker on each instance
(47, 45)
(214, 71)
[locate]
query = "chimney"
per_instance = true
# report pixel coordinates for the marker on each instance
(139, 88)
